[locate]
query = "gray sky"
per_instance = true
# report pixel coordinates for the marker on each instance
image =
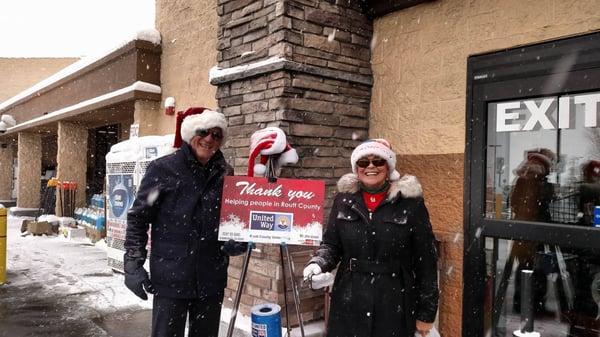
(58, 28)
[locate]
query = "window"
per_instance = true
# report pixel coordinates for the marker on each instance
(543, 159)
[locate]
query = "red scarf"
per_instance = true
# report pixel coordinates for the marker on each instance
(373, 200)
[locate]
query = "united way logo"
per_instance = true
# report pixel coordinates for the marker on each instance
(283, 222)
(271, 221)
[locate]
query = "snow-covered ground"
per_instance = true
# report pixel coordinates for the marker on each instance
(60, 287)
(57, 287)
(65, 267)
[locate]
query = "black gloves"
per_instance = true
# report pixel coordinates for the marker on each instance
(136, 277)
(234, 248)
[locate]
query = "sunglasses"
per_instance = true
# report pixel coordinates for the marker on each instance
(364, 163)
(216, 134)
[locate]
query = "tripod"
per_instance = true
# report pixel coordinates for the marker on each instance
(283, 251)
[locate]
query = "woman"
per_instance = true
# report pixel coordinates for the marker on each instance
(379, 232)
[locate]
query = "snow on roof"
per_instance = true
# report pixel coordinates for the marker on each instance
(135, 149)
(150, 35)
(64, 112)
(216, 72)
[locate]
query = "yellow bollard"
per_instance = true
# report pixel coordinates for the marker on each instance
(2, 245)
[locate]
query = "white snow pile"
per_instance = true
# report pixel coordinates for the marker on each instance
(67, 268)
(136, 149)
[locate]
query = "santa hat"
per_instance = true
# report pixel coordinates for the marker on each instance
(194, 119)
(268, 142)
(376, 147)
(543, 155)
(591, 170)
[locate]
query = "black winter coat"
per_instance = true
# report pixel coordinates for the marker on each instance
(182, 200)
(387, 276)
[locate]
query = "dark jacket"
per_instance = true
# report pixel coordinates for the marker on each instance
(387, 277)
(182, 200)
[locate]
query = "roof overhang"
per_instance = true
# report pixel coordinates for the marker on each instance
(94, 92)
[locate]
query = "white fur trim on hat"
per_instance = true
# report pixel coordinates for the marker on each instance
(208, 119)
(376, 147)
(407, 186)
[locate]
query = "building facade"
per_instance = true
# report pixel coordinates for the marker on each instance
(432, 77)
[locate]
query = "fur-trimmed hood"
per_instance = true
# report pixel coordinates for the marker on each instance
(408, 186)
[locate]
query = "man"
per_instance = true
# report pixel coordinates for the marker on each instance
(180, 195)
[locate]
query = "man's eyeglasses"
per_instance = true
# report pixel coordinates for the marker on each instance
(364, 163)
(216, 134)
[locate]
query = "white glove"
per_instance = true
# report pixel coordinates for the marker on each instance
(311, 270)
(313, 274)
(321, 280)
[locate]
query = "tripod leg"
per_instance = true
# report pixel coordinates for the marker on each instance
(238, 293)
(285, 300)
(295, 290)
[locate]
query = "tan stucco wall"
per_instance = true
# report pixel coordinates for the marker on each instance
(189, 35)
(147, 114)
(29, 173)
(6, 172)
(18, 74)
(72, 159)
(420, 59)
(419, 62)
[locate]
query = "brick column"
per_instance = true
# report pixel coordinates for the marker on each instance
(71, 158)
(6, 171)
(304, 66)
(29, 171)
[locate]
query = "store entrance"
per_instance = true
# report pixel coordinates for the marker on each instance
(100, 141)
(532, 232)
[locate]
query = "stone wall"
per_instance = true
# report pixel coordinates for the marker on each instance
(419, 64)
(308, 73)
(29, 170)
(188, 32)
(18, 74)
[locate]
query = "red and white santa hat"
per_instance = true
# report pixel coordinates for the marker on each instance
(591, 170)
(542, 155)
(376, 147)
(197, 118)
(268, 142)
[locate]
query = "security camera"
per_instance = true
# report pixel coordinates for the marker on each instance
(3, 127)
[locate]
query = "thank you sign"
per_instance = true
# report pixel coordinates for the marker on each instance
(287, 211)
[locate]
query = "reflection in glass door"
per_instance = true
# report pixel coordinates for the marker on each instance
(547, 170)
(565, 288)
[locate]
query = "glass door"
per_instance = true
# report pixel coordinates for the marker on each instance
(532, 231)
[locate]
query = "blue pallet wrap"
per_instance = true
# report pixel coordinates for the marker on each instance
(266, 320)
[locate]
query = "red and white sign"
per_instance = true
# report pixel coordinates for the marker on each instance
(286, 211)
